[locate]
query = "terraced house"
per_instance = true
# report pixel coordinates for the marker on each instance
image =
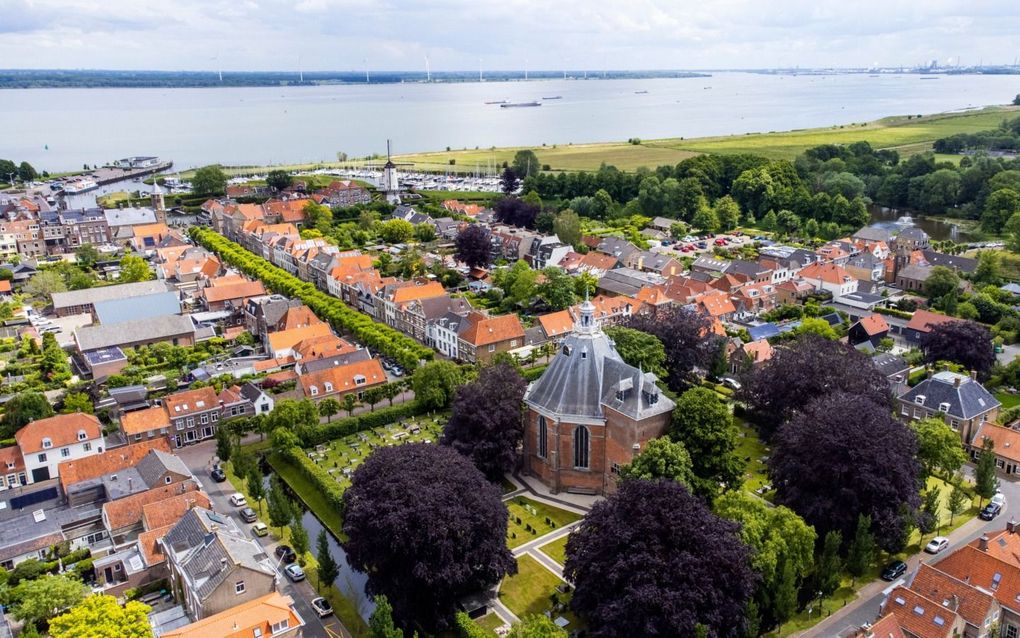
(194, 415)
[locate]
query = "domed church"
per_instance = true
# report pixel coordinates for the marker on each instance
(590, 413)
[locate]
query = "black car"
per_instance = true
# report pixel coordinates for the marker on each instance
(286, 553)
(218, 474)
(894, 570)
(990, 511)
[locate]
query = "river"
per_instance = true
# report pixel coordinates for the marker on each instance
(62, 129)
(937, 229)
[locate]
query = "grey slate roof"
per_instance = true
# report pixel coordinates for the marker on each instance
(107, 293)
(748, 268)
(166, 326)
(587, 372)
(873, 233)
(889, 364)
(130, 216)
(915, 272)
(966, 397)
(324, 363)
(617, 247)
(956, 262)
(627, 281)
(156, 463)
(143, 307)
(913, 233)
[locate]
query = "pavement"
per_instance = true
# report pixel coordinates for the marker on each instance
(865, 609)
(198, 458)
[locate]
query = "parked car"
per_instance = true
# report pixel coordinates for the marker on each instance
(720, 242)
(990, 511)
(322, 607)
(237, 500)
(248, 515)
(294, 572)
(702, 245)
(894, 570)
(218, 474)
(936, 545)
(731, 383)
(260, 529)
(999, 499)
(397, 371)
(285, 553)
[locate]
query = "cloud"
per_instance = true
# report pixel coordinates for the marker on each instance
(397, 34)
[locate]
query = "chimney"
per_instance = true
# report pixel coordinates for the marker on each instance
(956, 381)
(973, 374)
(983, 543)
(223, 564)
(130, 482)
(954, 602)
(1011, 526)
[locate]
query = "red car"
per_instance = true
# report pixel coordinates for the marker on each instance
(720, 242)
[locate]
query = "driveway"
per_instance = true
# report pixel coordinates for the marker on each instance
(198, 458)
(866, 608)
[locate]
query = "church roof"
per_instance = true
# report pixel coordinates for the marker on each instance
(587, 374)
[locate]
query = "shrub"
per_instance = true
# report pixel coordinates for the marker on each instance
(342, 427)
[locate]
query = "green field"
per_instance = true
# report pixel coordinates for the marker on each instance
(908, 136)
(530, 591)
(536, 520)
(556, 550)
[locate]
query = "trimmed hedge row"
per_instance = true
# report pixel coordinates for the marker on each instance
(467, 628)
(380, 337)
(367, 421)
(321, 479)
(893, 312)
(530, 374)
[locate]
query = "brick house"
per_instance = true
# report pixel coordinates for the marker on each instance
(484, 337)
(193, 414)
(589, 413)
(964, 403)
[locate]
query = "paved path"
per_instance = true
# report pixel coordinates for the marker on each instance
(198, 458)
(866, 607)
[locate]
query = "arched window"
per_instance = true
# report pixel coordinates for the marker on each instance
(582, 446)
(543, 437)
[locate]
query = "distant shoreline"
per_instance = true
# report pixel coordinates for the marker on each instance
(55, 79)
(112, 79)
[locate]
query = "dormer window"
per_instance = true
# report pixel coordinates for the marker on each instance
(944, 407)
(359, 379)
(82, 435)
(566, 350)
(47, 443)
(919, 399)
(328, 386)
(313, 390)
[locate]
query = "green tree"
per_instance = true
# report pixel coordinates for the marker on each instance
(727, 212)
(941, 281)
(425, 233)
(24, 408)
(830, 564)
(557, 291)
(86, 256)
(101, 616)
(278, 180)
(78, 402)
(862, 548)
(224, 444)
(525, 163)
(770, 221)
(45, 597)
(957, 503)
(435, 383)
(586, 284)
(280, 514)
(661, 459)
(938, 447)
(328, 569)
(380, 624)
(785, 598)
(372, 396)
(639, 349)
(1012, 230)
(392, 391)
(45, 283)
(396, 231)
(930, 518)
(349, 403)
(988, 271)
(536, 626)
(134, 268)
(986, 483)
(705, 219)
(999, 207)
(26, 172)
(256, 489)
(703, 423)
(567, 226)
(299, 535)
(329, 407)
(818, 326)
(209, 181)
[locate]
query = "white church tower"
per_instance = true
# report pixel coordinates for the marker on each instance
(390, 181)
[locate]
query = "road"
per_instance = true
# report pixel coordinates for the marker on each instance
(198, 458)
(866, 608)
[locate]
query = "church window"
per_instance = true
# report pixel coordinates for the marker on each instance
(543, 437)
(582, 447)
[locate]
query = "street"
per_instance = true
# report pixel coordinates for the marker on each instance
(198, 458)
(866, 608)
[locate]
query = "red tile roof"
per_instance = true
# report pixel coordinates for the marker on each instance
(142, 421)
(242, 620)
(488, 330)
(181, 404)
(874, 324)
(128, 510)
(241, 290)
(11, 460)
(982, 569)
(119, 458)
(920, 616)
(972, 604)
(342, 378)
(168, 511)
(61, 430)
(923, 321)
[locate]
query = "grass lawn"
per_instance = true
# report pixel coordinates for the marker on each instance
(556, 550)
(751, 449)
(530, 591)
(342, 456)
(530, 519)
(1007, 400)
(490, 622)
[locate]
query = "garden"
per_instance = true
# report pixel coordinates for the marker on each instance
(536, 590)
(530, 520)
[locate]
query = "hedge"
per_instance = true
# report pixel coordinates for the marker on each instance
(467, 628)
(530, 374)
(321, 479)
(893, 312)
(916, 377)
(377, 336)
(350, 425)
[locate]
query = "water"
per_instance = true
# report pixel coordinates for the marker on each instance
(308, 124)
(937, 229)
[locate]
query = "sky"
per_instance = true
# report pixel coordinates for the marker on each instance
(389, 35)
